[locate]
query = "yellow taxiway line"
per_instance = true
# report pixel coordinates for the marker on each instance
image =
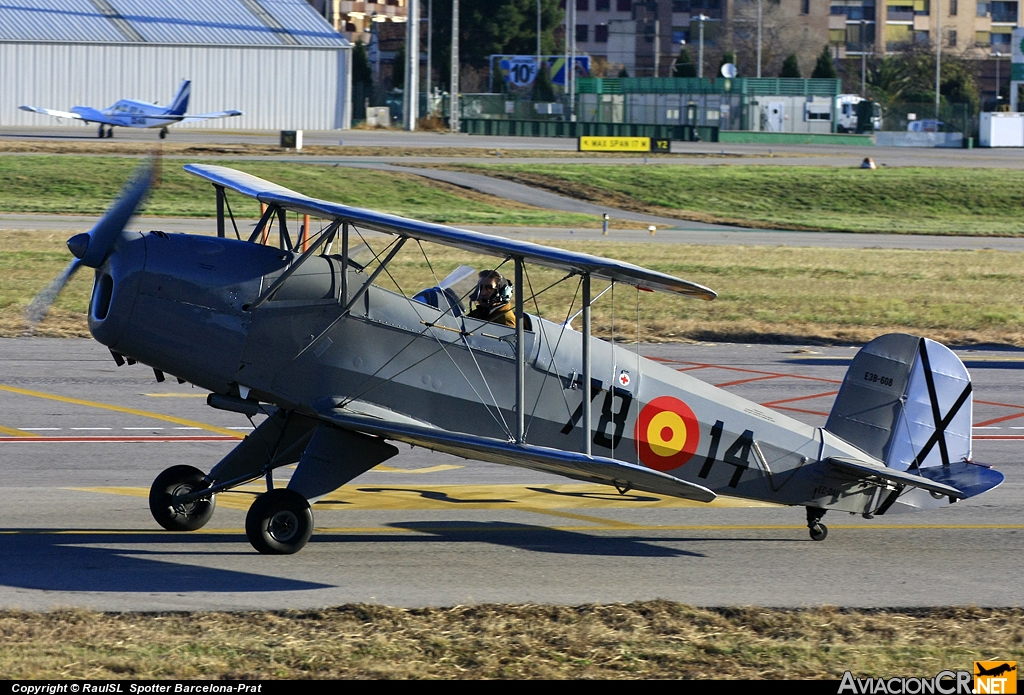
(122, 409)
(459, 527)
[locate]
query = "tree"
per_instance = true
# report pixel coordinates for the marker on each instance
(623, 72)
(790, 67)
(824, 68)
(543, 90)
(361, 71)
(490, 27)
(780, 37)
(684, 65)
(398, 69)
(909, 76)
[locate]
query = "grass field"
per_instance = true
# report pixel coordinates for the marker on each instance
(799, 295)
(86, 186)
(655, 639)
(976, 202)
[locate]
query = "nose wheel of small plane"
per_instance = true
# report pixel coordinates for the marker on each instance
(279, 522)
(175, 516)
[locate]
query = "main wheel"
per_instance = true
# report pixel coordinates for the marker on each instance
(110, 132)
(101, 131)
(175, 481)
(819, 532)
(163, 133)
(279, 522)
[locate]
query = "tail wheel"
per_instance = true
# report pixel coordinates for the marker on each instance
(173, 516)
(279, 522)
(819, 532)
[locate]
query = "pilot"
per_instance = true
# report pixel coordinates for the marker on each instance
(493, 298)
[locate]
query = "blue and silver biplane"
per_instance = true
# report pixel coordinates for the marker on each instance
(302, 332)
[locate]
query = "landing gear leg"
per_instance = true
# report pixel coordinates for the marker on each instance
(819, 531)
(163, 133)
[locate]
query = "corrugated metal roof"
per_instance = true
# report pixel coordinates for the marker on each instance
(55, 20)
(206, 22)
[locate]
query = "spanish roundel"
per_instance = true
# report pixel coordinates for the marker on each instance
(667, 433)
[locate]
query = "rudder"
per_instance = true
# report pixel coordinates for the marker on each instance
(906, 401)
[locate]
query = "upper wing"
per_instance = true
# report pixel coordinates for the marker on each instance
(595, 469)
(604, 268)
(51, 112)
(205, 116)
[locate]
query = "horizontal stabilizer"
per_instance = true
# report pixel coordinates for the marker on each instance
(475, 242)
(871, 473)
(594, 469)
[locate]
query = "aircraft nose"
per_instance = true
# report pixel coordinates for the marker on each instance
(79, 245)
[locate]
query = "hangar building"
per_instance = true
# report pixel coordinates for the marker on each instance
(277, 61)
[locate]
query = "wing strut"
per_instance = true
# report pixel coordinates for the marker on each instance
(520, 356)
(587, 408)
(326, 235)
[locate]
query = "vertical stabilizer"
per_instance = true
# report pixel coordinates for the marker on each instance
(179, 104)
(906, 401)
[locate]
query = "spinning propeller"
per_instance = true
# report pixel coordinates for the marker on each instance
(92, 248)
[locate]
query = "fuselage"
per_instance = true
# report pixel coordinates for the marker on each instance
(129, 113)
(182, 304)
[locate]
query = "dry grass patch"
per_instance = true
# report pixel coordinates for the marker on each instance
(766, 294)
(653, 639)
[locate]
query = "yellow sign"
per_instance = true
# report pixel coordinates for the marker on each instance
(995, 677)
(609, 144)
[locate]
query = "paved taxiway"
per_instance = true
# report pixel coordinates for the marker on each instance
(81, 441)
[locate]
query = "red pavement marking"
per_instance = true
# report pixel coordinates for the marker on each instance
(183, 438)
(772, 404)
(747, 381)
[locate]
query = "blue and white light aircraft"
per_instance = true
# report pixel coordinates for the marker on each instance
(129, 113)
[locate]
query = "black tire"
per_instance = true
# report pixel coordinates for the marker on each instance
(179, 480)
(110, 132)
(100, 135)
(163, 133)
(819, 532)
(279, 522)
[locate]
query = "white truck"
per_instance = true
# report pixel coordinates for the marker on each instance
(846, 113)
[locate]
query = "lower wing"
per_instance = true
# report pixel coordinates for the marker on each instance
(596, 469)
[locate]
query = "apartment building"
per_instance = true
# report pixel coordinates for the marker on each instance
(645, 36)
(353, 18)
(975, 29)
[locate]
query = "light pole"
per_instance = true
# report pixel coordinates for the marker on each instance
(758, 37)
(430, 46)
(863, 57)
(938, 54)
(538, 36)
(700, 50)
(453, 81)
(998, 95)
(410, 97)
(570, 74)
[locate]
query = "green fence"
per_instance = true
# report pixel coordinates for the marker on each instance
(563, 129)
